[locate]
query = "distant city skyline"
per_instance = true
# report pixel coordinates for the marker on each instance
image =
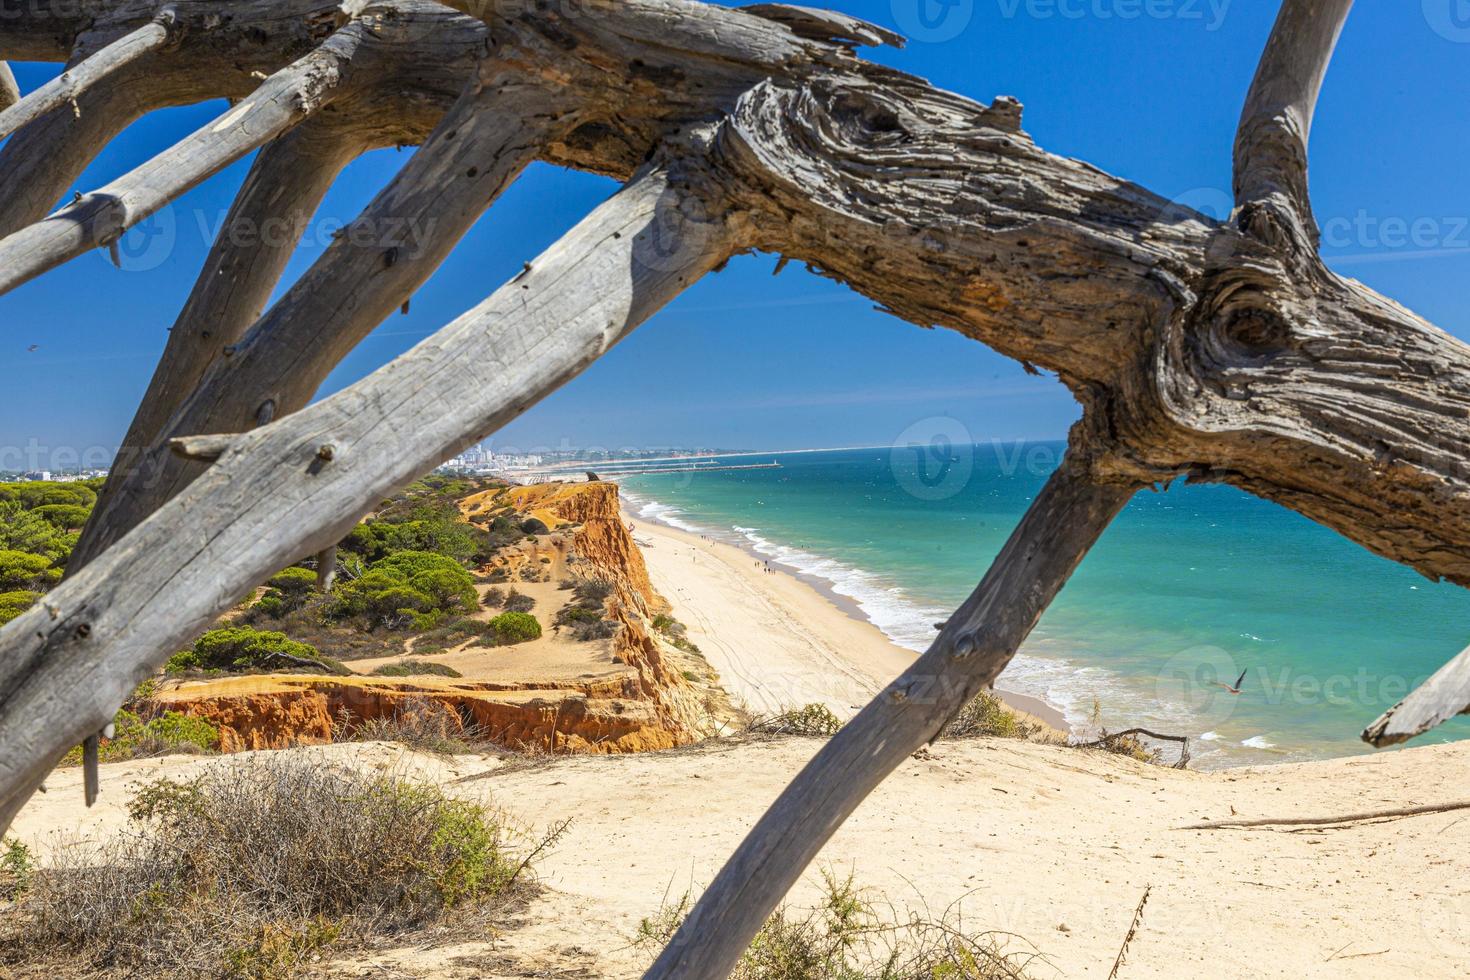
(797, 361)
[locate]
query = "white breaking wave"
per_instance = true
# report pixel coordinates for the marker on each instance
(908, 623)
(662, 513)
(1046, 671)
(1258, 742)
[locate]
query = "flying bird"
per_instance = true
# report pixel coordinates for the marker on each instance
(33, 347)
(1233, 688)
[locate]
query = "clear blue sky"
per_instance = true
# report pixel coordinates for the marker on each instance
(745, 360)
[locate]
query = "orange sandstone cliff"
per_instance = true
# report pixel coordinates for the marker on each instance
(632, 692)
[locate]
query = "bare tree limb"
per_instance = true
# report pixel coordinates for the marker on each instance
(42, 160)
(977, 642)
(1430, 705)
(1403, 811)
(274, 497)
(1271, 140)
(75, 80)
(480, 147)
(101, 217)
(9, 90)
(285, 185)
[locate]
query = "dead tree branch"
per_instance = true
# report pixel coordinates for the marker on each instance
(1406, 811)
(484, 142)
(1433, 703)
(9, 90)
(66, 87)
(977, 642)
(213, 542)
(101, 217)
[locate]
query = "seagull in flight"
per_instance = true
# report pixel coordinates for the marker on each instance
(1233, 688)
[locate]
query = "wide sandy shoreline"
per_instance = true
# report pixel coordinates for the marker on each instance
(777, 640)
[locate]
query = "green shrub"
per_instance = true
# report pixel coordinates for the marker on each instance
(23, 530)
(133, 738)
(68, 517)
(413, 668)
(12, 604)
(242, 648)
(515, 627)
(22, 570)
(17, 865)
(408, 588)
(259, 868)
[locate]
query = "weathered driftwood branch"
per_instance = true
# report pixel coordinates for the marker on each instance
(66, 664)
(376, 263)
(1403, 811)
(204, 449)
(286, 183)
(977, 642)
(1271, 141)
(64, 89)
(1112, 737)
(101, 217)
(1433, 703)
(43, 159)
(9, 90)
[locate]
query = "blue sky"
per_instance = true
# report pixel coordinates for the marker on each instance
(1146, 89)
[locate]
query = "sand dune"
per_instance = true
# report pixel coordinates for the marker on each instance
(1028, 838)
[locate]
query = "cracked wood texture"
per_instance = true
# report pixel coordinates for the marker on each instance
(1213, 351)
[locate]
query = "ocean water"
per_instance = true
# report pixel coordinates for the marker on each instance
(1188, 587)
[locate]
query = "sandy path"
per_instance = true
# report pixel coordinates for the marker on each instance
(777, 641)
(1028, 838)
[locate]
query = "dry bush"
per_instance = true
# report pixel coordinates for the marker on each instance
(813, 720)
(420, 723)
(844, 938)
(986, 716)
(257, 868)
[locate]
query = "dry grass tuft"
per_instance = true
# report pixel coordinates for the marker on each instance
(845, 938)
(258, 869)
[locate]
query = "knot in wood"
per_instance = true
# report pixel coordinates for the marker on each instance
(964, 647)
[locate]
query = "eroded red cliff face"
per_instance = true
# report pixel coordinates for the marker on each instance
(641, 701)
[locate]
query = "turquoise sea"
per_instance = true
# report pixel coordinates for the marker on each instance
(1189, 586)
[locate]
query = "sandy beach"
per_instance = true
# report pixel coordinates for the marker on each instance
(778, 641)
